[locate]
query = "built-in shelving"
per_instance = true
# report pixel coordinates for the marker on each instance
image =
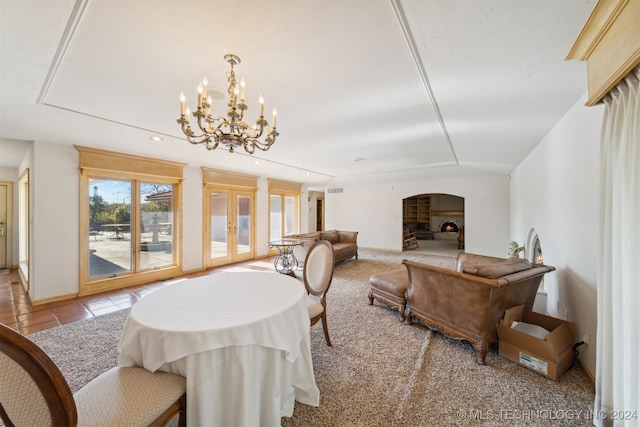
(417, 209)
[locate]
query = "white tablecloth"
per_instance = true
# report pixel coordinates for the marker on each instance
(241, 340)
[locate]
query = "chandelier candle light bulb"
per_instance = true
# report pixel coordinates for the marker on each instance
(236, 92)
(182, 103)
(232, 131)
(205, 84)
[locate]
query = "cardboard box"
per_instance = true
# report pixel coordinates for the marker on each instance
(550, 357)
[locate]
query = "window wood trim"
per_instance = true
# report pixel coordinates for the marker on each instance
(284, 186)
(610, 43)
(103, 164)
(110, 161)
(219, 177)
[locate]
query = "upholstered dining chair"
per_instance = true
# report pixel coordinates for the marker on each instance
(33, 392)
(317, 276)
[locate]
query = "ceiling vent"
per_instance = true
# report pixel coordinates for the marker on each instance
(335, 190)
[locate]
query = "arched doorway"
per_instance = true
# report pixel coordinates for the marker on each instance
(437, 220)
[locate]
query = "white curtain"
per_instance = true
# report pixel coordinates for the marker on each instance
(617, 401)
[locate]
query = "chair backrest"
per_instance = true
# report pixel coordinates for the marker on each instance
(318, 268)
(33, 391)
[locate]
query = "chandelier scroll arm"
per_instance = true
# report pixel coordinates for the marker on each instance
(196, 139)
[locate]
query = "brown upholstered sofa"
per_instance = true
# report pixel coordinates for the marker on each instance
(467, 302)
(345, 243)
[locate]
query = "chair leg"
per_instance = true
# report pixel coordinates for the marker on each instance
(325, 328)
(183, 415)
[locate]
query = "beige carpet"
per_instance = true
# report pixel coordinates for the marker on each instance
(379, 371)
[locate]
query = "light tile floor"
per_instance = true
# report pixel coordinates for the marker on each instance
(17, 311)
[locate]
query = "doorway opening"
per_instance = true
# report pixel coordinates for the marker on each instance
(319, 214)
(6, 225)
(437, 220)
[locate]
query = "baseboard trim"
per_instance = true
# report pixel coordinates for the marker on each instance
(190, 271)
(588, 373)
(57, 298)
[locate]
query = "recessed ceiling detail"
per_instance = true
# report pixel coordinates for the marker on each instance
(419, 88)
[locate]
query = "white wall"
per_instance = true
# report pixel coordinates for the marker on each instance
(262, 217)
(555, 190)
(55, 185)
(375, 210)
(192, 209)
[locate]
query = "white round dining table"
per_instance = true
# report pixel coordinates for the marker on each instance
(241, 339)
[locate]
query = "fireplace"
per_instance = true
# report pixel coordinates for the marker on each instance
(448, 227)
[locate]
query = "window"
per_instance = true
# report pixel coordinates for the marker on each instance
(110, 243)
(129, 219)
(284, 209)
(156, 225)
(275, 217)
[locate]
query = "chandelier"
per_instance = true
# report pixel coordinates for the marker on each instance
(231, 131)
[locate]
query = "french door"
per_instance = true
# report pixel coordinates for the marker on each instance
(229, 225)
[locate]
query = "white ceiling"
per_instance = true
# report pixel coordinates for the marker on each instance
(363, 88)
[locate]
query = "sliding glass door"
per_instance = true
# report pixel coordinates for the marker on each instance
(130, 220)
(120, 244)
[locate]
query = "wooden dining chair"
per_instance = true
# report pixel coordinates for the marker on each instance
(317, 276)
(33, 392)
